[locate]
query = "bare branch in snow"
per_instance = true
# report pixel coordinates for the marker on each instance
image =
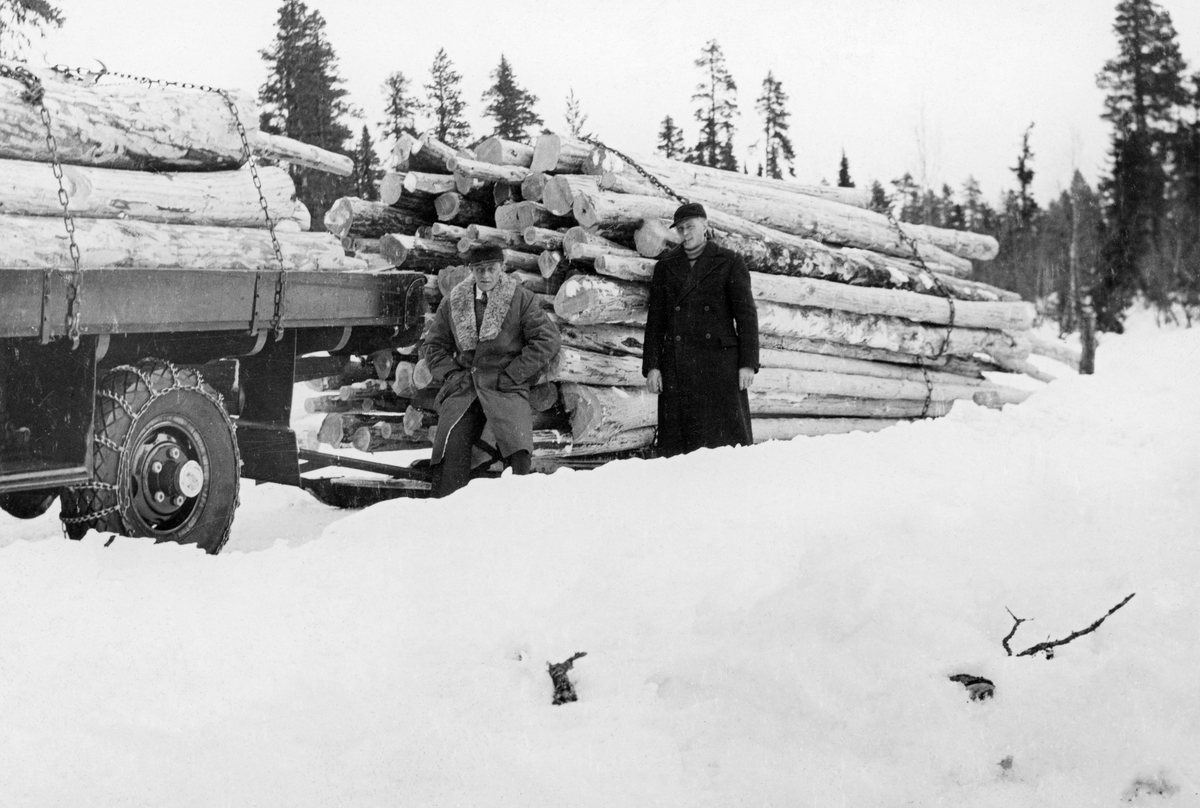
(1049, 646)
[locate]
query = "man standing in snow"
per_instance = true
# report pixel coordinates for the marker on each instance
(701, 346)
(488, 341)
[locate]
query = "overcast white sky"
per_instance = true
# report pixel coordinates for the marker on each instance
(863, 75)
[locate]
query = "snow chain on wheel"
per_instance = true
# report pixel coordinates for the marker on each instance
(165, 462)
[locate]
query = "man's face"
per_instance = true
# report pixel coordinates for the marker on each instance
(487, 275)
(692, 232)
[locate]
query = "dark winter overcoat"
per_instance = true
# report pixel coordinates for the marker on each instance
(493, 361)
(702, 326)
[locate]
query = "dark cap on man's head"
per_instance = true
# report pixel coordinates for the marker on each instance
(487, 255)
(689, 210)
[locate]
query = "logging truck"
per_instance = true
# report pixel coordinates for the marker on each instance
(142, 412)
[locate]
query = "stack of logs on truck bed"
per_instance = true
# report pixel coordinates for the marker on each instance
(154, 175)
(857, 332)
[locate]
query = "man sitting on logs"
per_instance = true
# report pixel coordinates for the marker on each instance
(488, 341)
(701, 344)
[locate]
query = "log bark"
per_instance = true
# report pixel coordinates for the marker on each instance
(768, 429)
(213, 198)
(520, 215)
(416, 253)
(277, 147)
(625, 371)
(773, 221)
(783, 403)
(505, 152)
(599, 413)
(409, 156)
(687, 175)
(435, 151)
(359, 246)
(1056, 350)
(533, 186)
(590, 299)
(888, 333)
(482, 235)
(424, 184)
(555, 443)
(559, 154)
(455, 208)
(337, 429)
(844, 297)
(446, 232)
(527, 262)
(604, 339)
(129, 126)
(559, 194)
(585, 367)
(534, 282)
(41, 242)
(542, 239)
(351, 216)
(372, 439)
(784, 206)
(487, 172)
(783, 254)
(331, 402)
(576, 236)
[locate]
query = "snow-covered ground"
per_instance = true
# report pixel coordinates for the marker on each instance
(764, 626)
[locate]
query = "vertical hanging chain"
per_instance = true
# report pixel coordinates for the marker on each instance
(653, 180)
(247, 152)
(35, 93)
(911, 243)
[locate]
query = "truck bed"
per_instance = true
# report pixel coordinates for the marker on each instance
(117, 300)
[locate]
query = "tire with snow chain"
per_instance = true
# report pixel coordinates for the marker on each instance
(165, 460)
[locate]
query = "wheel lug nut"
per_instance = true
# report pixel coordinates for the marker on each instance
(160, 497)
(179, 500)
(173, 453)
(156, 467)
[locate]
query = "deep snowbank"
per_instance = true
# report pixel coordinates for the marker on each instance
(771, 625)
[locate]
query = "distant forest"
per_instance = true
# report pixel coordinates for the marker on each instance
(1136, 234)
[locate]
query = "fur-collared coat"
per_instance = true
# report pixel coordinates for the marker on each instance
(702, 326)
(494, 361)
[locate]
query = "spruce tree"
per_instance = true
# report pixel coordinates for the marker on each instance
(778, 149)
(1144, 88)
(443, 102)
(844, 180)
(1184, 215)
(21, 18)
(717, 94)
(1026, 206)
(303, 99)
(576, 119)
(399, 107)
(879, 198)
(510, 105)
(366, 168)
(670, 139)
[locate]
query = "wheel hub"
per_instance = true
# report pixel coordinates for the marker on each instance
(167, 477)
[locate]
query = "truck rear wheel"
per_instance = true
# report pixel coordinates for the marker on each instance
(165, 460)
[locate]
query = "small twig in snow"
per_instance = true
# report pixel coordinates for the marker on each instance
(1017, 621)
(564, 691)
(1048, 646)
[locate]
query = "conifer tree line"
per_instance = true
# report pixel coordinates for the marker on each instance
(1136, 234)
